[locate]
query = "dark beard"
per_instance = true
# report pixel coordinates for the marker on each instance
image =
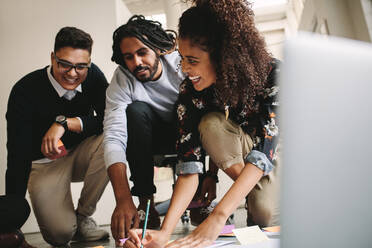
(152, 70)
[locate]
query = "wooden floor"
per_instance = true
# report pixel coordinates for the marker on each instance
(181, 230)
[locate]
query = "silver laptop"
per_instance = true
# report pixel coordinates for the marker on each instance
(326, 123)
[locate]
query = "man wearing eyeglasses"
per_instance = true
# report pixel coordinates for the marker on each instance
(54, 120)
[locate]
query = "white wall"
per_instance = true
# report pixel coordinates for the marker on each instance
(274, 24)
(28, 29)
(173, 10)
(122, 13)
(332, 11)
(344, 18)
(367, 9)
(358, 20)
(145, 7)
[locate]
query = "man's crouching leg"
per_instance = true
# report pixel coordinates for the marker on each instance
(89, 168)
(49, 188)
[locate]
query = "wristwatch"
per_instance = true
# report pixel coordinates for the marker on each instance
(61, 119)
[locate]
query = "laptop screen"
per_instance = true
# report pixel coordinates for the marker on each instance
(326, 124)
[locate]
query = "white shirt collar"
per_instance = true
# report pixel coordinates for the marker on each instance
(60, 90)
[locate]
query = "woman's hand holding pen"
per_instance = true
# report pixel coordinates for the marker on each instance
(153, 238)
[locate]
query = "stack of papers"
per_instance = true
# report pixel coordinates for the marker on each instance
(254, 237)
(250, 235)
(219, 243)
(272, 243)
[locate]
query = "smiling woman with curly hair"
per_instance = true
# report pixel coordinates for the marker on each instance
(225, 29)
(227, 109)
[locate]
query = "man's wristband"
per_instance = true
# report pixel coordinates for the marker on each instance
(212, 175)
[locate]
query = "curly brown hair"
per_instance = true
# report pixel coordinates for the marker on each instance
(226, 30)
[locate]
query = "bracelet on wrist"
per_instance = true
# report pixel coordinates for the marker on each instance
(212, 175)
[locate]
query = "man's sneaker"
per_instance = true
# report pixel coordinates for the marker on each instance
(12, 239)
(153, 221)
(230, 220)
(87, 230)
(198, 215)
(26, 245)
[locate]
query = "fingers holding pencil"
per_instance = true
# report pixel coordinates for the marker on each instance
(149, 238)
(133, 234)
(152, 239)
(146, 219)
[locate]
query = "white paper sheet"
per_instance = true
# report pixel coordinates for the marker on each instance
(250, 235)
(219, 243)
(271, 243)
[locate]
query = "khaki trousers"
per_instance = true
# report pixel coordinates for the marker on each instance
(50, 189)
(227, 144)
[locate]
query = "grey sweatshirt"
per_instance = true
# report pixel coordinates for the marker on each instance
(125, 89)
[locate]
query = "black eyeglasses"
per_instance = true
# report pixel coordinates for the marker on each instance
(67, 66)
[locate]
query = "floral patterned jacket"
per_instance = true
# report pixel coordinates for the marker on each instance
(261, 126)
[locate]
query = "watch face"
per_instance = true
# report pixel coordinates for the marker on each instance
(60, 118)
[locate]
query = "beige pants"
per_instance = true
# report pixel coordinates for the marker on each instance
(50, 192)
(227, 144)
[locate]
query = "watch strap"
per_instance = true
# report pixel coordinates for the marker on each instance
(63, 123)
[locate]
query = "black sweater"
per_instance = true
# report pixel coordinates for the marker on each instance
(32, 108)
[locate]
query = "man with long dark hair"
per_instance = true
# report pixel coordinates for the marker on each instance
(138, 117)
